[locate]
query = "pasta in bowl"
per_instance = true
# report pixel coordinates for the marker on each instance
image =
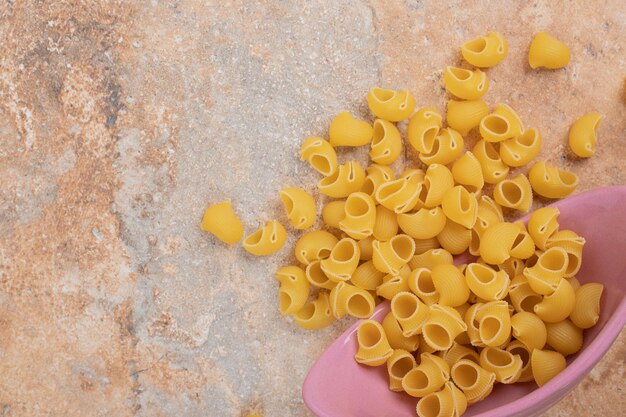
(338, 386)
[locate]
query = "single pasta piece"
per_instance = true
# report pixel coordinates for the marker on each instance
(393, 254)
(423, 128)
(516, 193)
(421, 284)
(294, 289)
(315, 245)
(586, 310)
(360, 216)
(443, 325)
(317, 277)
(571, 243)
(365, 246)
(458, 352)
(342, 261)
(267, 240)
(410, 312)
(545, 365)
(455, 238)
(518, 348)
(220, 220)
(460, 206)
(502, 240)
(544, 276)
(522, 149)
(550, 181)
(386, 224)
(399, 195)
(422, 224)
(548, 52)
(333, 213)
(394, 283)
(320, 154)
(494, 321)
(431, 258)
(564, 337)
(447, 146)
(428, 377)
(472, 323)
(523, 298)
(300, 207)
(374, 349)
(558, 305)
(529, 329)
(486, 283)
(450, 401)
(386, 143)
(475, 381)
(376, 176)
(351, 300)
(463, 116)
(506, 366)
(413, 175)
(348, 178)
(494, 169)
(366, 276)
(465, 84)
(467, 172)
(437, 181)
(542, 224)
(316, 314)
(398, 365)
(504, 123)
(451, 285)
(486, 51)
(584, 133)
(345, 130)
(393, 106)
(394, 334)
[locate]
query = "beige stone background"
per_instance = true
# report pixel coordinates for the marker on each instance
(120, 121)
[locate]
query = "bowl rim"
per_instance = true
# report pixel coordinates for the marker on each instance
(556, 388)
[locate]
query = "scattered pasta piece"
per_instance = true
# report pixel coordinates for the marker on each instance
(584, 133)
(548, 52)
(393, 106)
(486, 51)
(220, 220)
(550, 181)
(345, 130)
(465, 84)
(300, 207)
(267, 240)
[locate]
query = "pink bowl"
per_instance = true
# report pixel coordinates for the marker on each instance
(337, 386)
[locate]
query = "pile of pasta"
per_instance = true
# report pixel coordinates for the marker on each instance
(511, 313)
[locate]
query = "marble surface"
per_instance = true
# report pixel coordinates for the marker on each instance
(121, 120)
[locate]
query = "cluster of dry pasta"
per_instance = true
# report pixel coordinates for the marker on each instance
(511, 315)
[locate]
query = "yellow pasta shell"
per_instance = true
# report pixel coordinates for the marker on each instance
(460, 206)
(542, 224)
(422, 224)
(399, 195)
(420, 282)
(394, 283)
(458, 352)
(393, 106)
(450, 284)
(410, 312)
(550, 181)
(317, 277)
(398, 365)
(467, 172)
(450, 401)
(558, 305)
(294, 289)
(333, 213)
(386, 224)
(221, 220)
(506, 366)
(447, 146)
(571, 243)
(466, 84)
(391, 255)
(430, 258)
(546, 364)
(494, 323)
(544, 276)
(376, 176)
(512, 266)
(463, 116)
(348, 179)
(504, 123)
(395, 337)
(494, 169)
(351, 300)
(366, 249)
(429, 376)
(486, 283)
(374, 349)
(502, 240)
(515, 193)
(522, 149)
(529, 329)
(267, 240)
(314, 245)
(443, 325)
(300, 207)
(548, 52)
(316, 314)
(584, 133)
(518, 348)
(455, 238)
(386, 143)
(366, 276)
(564, 337)
(423, 128)
(345, 130)
(437, 181)
(320, 154)
(424, 245)
(413, 175)
(475, 381)
(360, 216)
(485, 51)
(342, 261)
(586, 310)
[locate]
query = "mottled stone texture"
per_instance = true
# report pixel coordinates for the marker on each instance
(120, 121)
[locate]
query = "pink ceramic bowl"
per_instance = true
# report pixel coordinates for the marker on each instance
(337, 386)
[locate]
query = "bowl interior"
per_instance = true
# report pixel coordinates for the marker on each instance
(337, 386)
